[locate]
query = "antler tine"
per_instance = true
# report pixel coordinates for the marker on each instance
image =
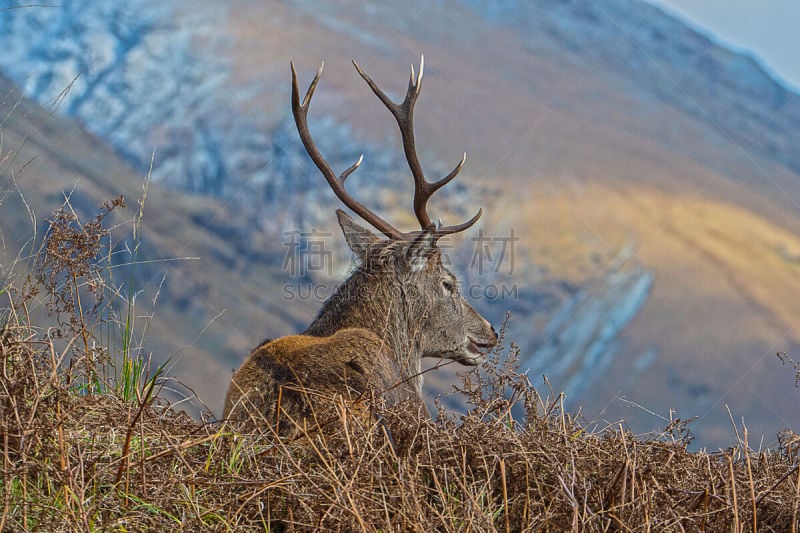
(300, 112)
(449, 230)
(404, 116)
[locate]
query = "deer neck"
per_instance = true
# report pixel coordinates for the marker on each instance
(382, 309)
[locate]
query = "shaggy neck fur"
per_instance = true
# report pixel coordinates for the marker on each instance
(379, 305)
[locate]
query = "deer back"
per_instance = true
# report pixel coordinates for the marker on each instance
(283, 380)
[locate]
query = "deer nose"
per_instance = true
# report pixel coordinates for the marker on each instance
(494, 335)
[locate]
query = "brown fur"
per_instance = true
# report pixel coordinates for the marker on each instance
(292, 368)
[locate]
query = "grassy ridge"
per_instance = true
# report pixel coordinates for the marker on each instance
(87, 443)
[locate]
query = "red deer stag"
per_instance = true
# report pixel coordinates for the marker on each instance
(400, 304)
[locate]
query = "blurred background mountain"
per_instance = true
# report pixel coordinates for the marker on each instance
(641, 183)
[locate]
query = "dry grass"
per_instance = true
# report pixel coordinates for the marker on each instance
(88, 447)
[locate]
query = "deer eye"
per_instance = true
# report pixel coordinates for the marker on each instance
(448, 286)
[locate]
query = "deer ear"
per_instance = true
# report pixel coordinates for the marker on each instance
(420, 250)
(358, 238)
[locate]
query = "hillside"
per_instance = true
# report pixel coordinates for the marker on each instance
(650, 175)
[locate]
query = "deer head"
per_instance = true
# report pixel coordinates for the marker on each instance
(401, 290)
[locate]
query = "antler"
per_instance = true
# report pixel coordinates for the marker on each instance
(300, 112)
(404, 115)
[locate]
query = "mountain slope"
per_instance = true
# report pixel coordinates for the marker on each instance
(600, 127)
